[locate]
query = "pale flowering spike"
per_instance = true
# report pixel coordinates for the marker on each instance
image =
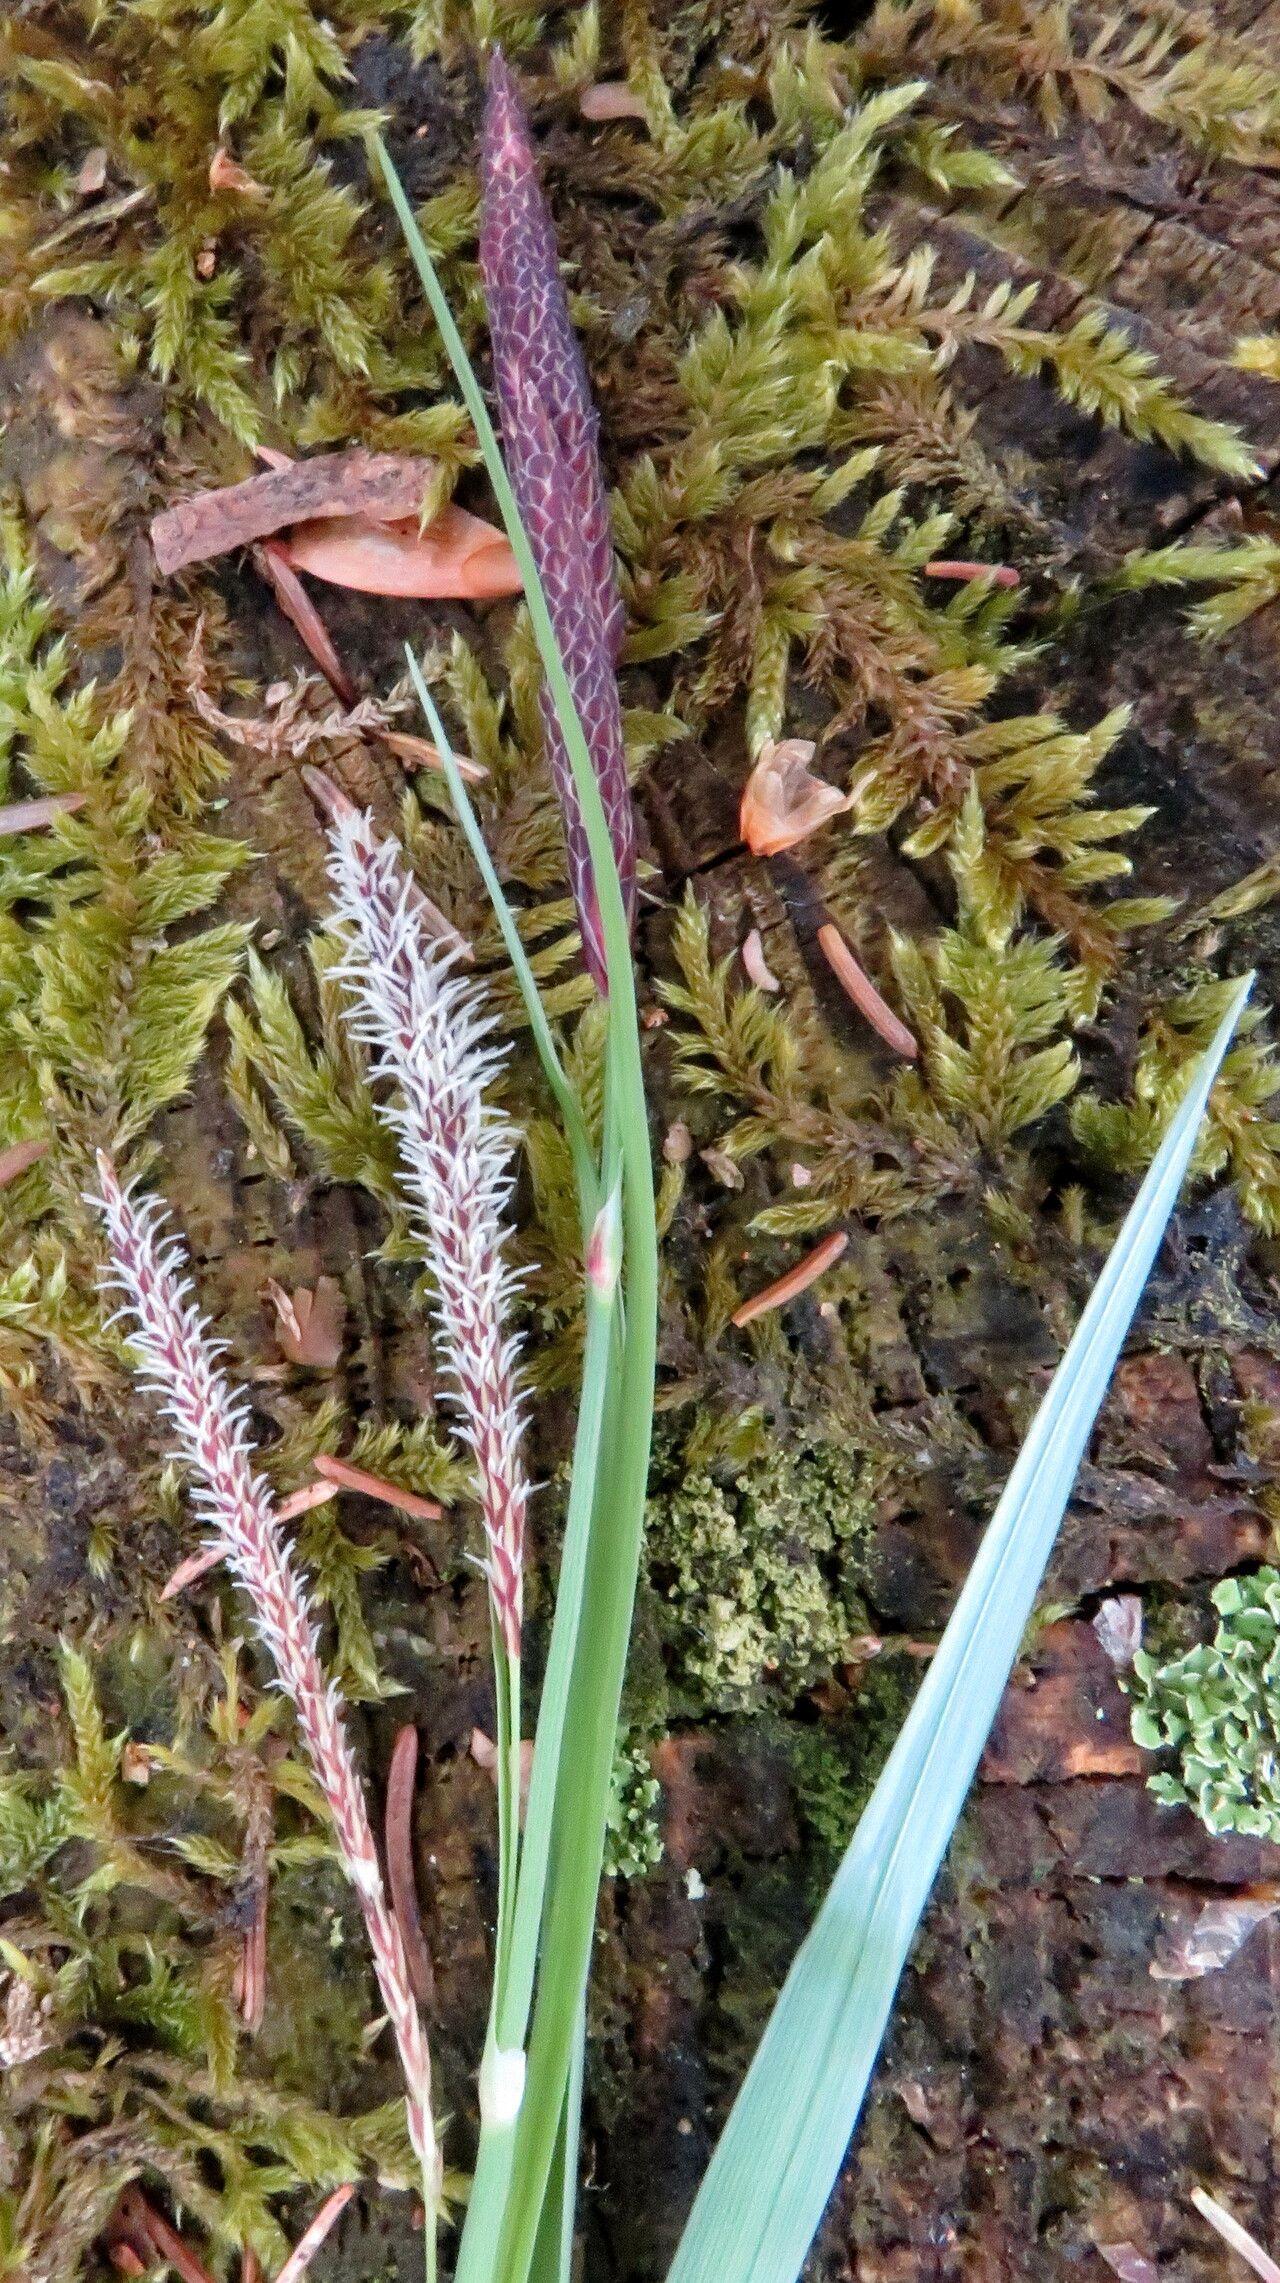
(430, 1035)
(177, 1358)
(549, 430)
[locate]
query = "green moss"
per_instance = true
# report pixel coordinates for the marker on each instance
(760, 1575)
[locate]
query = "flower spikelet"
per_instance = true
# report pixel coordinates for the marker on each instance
(431, 1037)
(549, 429)
(178, 1361)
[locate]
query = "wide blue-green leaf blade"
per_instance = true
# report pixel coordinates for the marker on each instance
(780, 2152)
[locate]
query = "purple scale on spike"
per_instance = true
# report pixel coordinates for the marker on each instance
(549, 429)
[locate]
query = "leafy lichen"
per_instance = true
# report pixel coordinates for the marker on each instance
(1217, 1709)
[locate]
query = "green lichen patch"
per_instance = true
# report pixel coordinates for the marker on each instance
(760, 1575)
(1217, 1708)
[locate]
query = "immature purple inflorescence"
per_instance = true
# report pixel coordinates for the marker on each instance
(549, 429)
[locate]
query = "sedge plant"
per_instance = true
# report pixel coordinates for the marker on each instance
(770, 2178)
(431, 1036)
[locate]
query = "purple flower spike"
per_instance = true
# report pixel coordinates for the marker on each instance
(549, 429)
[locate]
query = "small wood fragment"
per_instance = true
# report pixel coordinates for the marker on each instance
(858, 986)
(19, 1157)
(1000, 574)
(271, 560)
(387, 485)
(757, 966)
(308, 2245)
(29, 816)
(374, 1486)
(797, 1279)
(610, 99)
(401, 1877)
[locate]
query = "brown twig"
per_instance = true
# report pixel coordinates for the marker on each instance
(384, 484)
(796, 1280)
(398, 1841)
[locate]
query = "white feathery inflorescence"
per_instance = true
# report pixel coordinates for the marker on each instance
(431, 1036)
(178, 1359)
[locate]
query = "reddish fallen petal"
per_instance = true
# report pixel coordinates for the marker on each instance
(226, 173)
(1000, 574)
(28, 816)
(420, 753)
(144, 2221)
(195, 1566)
(757, 966)
(457, 555)
(250, 2265)
(310, 1322)
(783, 801)
(125, 2259)
(18, 1157)
(1238, 2237)
(353, 482)
(859, 987)
(796, 1280)
(401, 1878)
(610, 99)
(373, 1486)
(303, 616)
(93, 172)
(305, 2249)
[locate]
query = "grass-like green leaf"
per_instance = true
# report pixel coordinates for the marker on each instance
(777, 2160)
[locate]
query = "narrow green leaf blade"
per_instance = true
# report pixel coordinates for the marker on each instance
(780, 2152)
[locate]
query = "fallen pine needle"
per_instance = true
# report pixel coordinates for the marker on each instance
(1238, 2237)
(308, 2245)
(187, 1573)
(199, 1565)
(420, 753)
(796, 1280)
(149, 2230)
(398, 1840)
(18, 1157)
(858, 986)
(374, 1486)
(303, 616)
(1000, 574)
(28, 816)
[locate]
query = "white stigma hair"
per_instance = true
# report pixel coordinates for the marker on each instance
(177, 1358)
(431, 1036)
